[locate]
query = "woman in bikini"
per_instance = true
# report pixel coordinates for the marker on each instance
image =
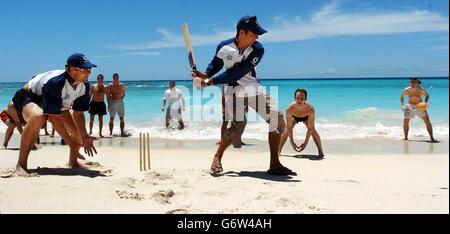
(301, 111)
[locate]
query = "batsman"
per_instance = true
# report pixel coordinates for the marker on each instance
(240, 55)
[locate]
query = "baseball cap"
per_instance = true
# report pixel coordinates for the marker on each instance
(250, 23)
(80, 61)
(415, 78)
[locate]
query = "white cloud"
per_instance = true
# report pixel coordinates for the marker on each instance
(439, 47)
(329, 21)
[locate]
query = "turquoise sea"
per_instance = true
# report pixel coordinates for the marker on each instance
(345, 108)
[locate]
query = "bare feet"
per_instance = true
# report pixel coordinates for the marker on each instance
(405, 139)
(76, 164)
(21, 171)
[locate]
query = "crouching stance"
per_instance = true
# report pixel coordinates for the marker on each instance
(58, 92)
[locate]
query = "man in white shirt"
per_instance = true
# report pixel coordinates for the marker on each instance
(174, 96)
(54, 94)
(240, 55)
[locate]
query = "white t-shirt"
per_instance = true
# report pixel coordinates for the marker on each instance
(248, 85)
(58, 93)
(173, 96)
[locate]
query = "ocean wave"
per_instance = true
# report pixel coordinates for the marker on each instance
(359, 123)
(211, 131)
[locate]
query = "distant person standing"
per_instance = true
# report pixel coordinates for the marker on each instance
(415, 106)
(97, 105)
(115, 95)
(174, 96)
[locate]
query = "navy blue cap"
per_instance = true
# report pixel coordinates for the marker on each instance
(80, 61)
(250, 23)
(415, 79)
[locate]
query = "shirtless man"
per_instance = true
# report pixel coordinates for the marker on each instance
(301, 111)
(97, 105)
(415, 93)
(115, 95)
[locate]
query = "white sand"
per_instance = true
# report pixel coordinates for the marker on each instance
(180, 182)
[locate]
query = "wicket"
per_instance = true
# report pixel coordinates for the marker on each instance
(144, 151)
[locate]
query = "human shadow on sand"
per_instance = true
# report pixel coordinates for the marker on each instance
(425, 141)
(10, 149)
(304, 156)
(44, 171)
(258, 175)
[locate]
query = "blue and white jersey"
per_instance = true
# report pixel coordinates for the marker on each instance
(240, 67)
(58, 93)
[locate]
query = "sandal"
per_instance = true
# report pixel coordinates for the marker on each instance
(216, 168)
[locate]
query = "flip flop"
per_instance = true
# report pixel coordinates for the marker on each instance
(283, 171)
(216, 168)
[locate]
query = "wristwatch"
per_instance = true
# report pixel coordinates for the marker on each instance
(207, 82)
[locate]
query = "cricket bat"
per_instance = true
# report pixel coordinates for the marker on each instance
(190, 52)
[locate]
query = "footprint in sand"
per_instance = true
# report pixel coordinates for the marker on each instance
(214, 193)
(163, 196)
(106, 173)
(284, 202)
(344, 181)
(158, 176)
(178, 211)
(316, 209)
(130, 196)
(92, 164)
(127, 182)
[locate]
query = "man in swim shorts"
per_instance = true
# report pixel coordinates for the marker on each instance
(410, 110)
(97, 105)
(115, 95)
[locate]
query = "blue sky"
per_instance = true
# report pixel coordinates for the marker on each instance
(142, 40)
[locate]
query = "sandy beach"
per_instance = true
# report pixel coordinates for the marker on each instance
(372, 176)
